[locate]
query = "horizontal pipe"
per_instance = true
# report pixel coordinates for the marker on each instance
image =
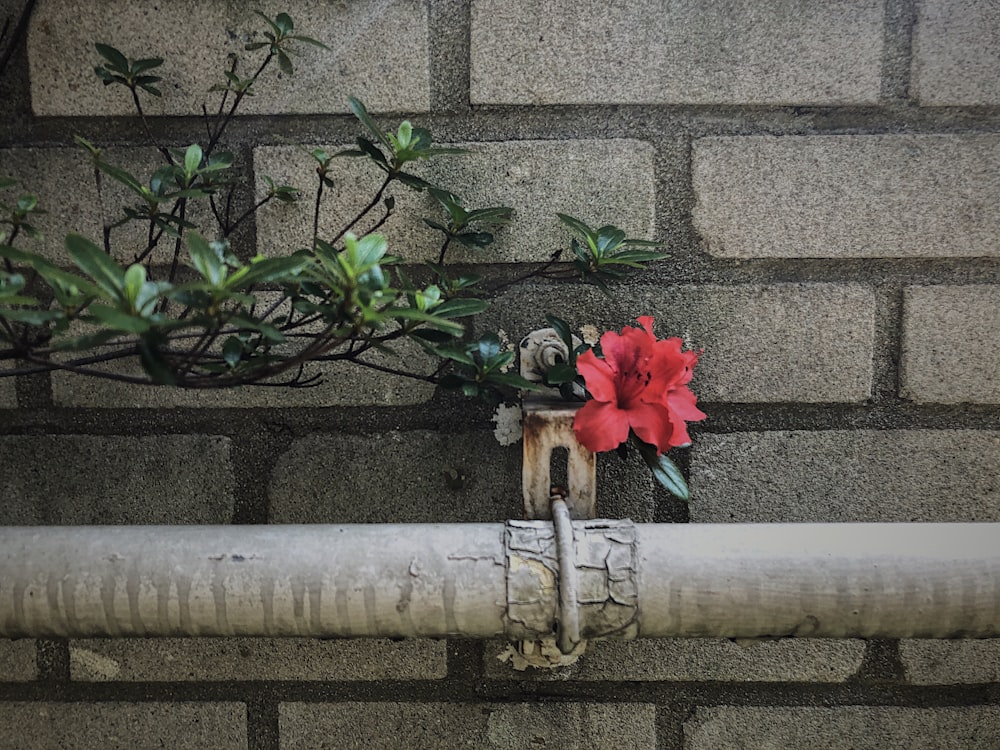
(501, 580)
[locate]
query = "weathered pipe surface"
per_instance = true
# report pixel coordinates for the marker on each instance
(489, 580)
(320, 581)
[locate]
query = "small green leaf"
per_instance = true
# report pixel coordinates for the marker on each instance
(118, 61)
(460, 307)
(285, 63)
(118, 320)
(192, 159)
(147, 63)
(92, 260)
(31, 317)
(284, 24)
(560, 373)
(359, 111)
(664, 471)
(232, 351)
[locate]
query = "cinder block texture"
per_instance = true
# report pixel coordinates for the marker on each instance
(237, 659)
(17, 659)
(697, 659)
(840, 476)
(951, 344)
(339, 384)
(378, 51)
(762, 344)
(123, 726)
(450, 726)
(956, 53)
(598, 181)
(400, 477)
(422, 476)
(76, 479)
(63, 180)
(848, 196)
(786, 342)
(686, 53)
(950, 662)
(843, 728)
(8, 393)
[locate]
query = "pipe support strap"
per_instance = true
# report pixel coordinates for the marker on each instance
(605, 562)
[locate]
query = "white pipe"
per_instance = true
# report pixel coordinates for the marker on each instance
(490, 580)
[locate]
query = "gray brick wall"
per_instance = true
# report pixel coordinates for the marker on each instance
(824, 177)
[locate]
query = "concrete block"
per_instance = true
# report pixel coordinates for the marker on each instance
(700, 659)
(8, 393)
(843, 728)
(951, 344)
(450, 726)
(679, 53)
(238, 659)
(399, 477)
(340, 384)
(599, 182)
(841, 475)
(950, 662)
(17, 660)
(848, 196)
(92, 479)
(123, 726)
(956, 54)
(785, 342)
(778, 343)
(378, 51)
(426, 477)
(63, 180)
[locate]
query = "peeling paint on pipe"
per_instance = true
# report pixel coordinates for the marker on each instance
(436, 580)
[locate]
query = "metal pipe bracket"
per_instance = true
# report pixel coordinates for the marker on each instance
(606, 568)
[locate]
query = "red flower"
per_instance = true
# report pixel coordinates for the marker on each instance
(641, 384)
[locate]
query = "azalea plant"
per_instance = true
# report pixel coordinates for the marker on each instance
(195, 310)
(638, 395)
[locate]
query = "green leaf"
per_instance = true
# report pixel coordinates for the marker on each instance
(31, 317)
(664, 471)
(308, 40)
(118, 61)
(154, 364)
(475, 239)
(284, 24)
(232, 351)
(26, 203)
(460, 307)
(512, 380)
(147, 63)
(609, 238)
(207, 259)
(576, 225)
(192, 159)
(118, 320)
(92, 260)
(488, 346)
(285, 63)
(412, 181)
(560, 373)
(122, 176)
(359, 111)
(373, 152)
(135, 277)
(411, 313)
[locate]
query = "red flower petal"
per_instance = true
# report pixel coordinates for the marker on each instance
(653, 424)
(600, 426)
(598, 376)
